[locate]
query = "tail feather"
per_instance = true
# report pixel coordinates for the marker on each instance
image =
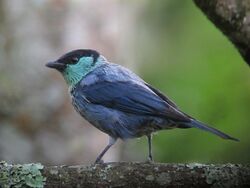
(197, 124)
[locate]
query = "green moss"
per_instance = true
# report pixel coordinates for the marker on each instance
(27, 175)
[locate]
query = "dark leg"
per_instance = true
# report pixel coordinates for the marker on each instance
(150, 157)
(111, 143)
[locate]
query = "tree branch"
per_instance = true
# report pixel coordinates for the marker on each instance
(232, 17)
(125, 175)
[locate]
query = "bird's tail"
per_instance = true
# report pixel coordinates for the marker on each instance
(199, 125)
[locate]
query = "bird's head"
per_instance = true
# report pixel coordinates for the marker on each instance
(76, 64)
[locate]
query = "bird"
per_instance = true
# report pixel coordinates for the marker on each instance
(118, 102)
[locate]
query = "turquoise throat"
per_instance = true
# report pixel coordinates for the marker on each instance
(75, 73)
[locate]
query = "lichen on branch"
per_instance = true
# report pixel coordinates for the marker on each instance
(125, 174)
(26, 175)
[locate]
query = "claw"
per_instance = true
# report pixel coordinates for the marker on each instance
(99, 161)
(149, 160)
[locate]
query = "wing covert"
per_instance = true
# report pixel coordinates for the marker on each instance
(131, 98)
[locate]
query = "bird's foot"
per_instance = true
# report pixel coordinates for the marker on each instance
(99, 161)
(150, 159)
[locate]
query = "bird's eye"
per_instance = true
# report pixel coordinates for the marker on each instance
(74, 60)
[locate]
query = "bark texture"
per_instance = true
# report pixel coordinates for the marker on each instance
(126, 175)
(232, 17)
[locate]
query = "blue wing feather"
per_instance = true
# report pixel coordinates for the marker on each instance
(130, 97)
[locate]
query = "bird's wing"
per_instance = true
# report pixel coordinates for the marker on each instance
(161, 95)
(131, 98)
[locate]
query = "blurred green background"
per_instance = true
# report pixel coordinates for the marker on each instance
(170, 44)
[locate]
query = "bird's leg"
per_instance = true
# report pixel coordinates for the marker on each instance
(150, 157)
(111, 143)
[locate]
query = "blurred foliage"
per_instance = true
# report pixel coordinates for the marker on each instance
(184, 55)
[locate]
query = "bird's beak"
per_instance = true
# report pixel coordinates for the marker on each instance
(56, 65)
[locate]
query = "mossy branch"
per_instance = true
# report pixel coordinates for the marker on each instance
(232, 17)
(125, 175)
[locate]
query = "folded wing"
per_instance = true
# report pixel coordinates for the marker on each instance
(133, 98)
